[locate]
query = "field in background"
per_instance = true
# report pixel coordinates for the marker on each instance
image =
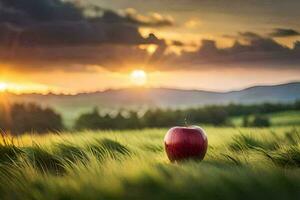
(241, 163)
(286, 118)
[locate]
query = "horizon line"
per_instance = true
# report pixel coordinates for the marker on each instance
(143, 87)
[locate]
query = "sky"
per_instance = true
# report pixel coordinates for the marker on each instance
(81, 46)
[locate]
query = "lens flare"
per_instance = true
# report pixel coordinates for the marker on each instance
(138, 77)
(3, 86)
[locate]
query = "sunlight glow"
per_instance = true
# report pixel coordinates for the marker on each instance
(19, 88)
(151, 49)
(3, 86)
(138, 77)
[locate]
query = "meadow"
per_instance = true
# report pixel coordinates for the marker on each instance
(284, 118)
(241, 163)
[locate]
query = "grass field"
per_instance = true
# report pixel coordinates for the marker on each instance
(240, 164)
(286, 118)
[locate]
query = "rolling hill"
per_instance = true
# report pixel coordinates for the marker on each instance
(137, 98)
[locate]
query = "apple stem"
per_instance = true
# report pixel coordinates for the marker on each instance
(186, 121)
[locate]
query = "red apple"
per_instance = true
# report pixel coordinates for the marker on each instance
(183, 143)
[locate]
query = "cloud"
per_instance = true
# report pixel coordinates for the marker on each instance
(283, 32)
(177, 43)
(53, 34)
(248, 35)
(73, 58)
(56, 35)
(56, 23)
(258, 43)
(33, 11)
(152, 20)
(256, 51)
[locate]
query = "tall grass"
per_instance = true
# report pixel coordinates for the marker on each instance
(240, 164)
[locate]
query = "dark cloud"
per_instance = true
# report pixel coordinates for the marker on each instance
(177, 43)
(249, 35)
(51, 34)
(32, 11)
(258, 43)
(283, 32)
(297, 46)
(255, 51)
(53, 22)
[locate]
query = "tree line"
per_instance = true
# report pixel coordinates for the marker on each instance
(27, 118)
(154, 118)
(30, 118)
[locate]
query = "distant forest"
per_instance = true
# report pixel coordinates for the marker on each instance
(31, 118)
(213, 115)
(28, 118)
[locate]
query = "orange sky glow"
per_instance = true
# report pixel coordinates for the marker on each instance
(109, 44)
(72, 83)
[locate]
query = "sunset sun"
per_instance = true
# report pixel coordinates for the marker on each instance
(138, 77)
(3, 86)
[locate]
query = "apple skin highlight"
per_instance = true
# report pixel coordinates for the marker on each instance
(182, 143)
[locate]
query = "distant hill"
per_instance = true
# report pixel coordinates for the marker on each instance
(72, 105)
